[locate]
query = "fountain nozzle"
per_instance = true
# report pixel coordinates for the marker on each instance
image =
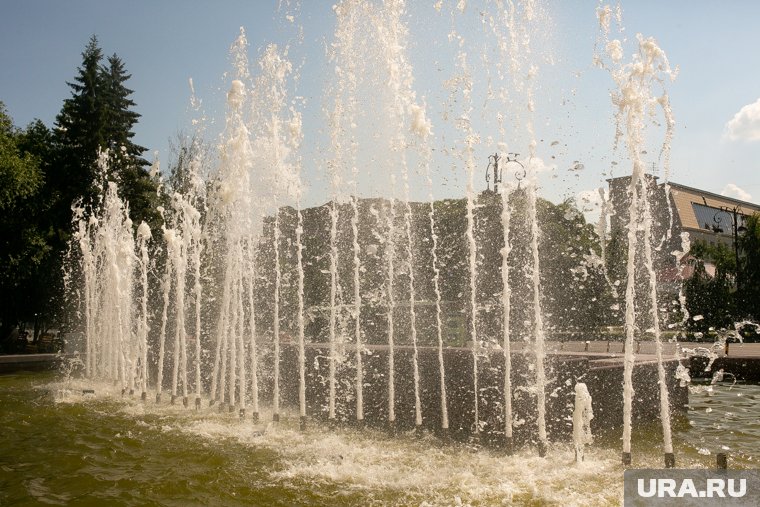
(542, 449)
(509, 445)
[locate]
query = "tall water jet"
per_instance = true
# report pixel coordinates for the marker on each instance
(277, 135)
(332, 358)
(182, 236)
(357, 310)
(540, 338)
(437, 292)
(510, 33)
(461, 90)
(178, 261)
(276, 318)
(301, 331)
(254, 176)
(296, 136)
(252, 343)
(143, 237)
(196, 231)
(166, 291)
(506, 315)
(390, 254)
(512, 27)
(236, 211)
(346, 57)
(104, 236)
(636, 102)
(469, 160)
(407, 116)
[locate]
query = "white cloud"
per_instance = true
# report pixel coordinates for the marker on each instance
(590, 200)
(731, 190)
(745, 125)
(538, 165)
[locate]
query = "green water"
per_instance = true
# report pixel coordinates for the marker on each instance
(59, 448)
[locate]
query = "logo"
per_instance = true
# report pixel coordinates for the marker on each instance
(691, 487)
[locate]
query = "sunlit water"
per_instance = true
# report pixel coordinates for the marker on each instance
(58, 447)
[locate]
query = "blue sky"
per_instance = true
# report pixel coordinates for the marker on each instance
(713, 44)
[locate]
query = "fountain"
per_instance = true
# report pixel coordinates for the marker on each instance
(374, 308)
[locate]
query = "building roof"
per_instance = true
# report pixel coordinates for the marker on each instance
(700, 209)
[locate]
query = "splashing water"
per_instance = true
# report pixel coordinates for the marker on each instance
(635, 101)
(238, 260)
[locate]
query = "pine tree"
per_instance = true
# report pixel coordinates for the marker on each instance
(99, 115)
(80, 128)
(120, 119)
(128, 167)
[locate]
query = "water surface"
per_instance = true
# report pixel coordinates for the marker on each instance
(61, 448)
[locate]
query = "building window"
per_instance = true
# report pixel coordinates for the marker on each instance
(715, 219)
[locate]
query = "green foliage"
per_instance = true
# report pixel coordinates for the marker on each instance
(20, 177)
(577, 297)
(80, 129)
(731, 295)
(749, 247)
(24, 249)
(708, 297)
(99, 116)
(42, 173)
(721, 255)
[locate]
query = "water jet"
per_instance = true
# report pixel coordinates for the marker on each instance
(377, 308)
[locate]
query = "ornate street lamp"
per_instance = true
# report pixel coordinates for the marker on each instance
(493, 161)
(498, 173)
(734, 213)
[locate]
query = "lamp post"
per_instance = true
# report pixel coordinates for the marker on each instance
(734, 212)
(493, 161)
(498, 172)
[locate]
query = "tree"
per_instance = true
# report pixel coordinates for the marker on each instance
(120, 119)
(711, 297)
(99, 116)
(24, 250)
(80, 130)
(128, 167)
(749, 246)
(577, 297)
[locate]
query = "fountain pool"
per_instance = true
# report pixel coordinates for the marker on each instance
(251, 318)
(61, 448)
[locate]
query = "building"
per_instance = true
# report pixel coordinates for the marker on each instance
(677, 208)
